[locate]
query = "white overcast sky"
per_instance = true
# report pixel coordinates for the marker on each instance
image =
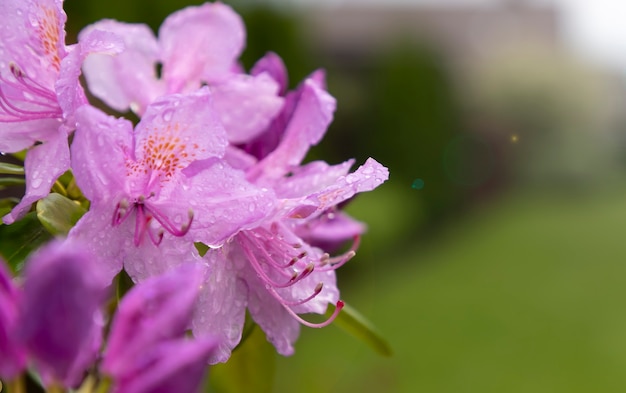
(595, 28)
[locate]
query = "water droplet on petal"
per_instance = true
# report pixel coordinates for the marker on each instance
(36, 182)
(351, 178)
(167, 114)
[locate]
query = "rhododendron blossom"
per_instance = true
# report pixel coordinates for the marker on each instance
(161, 181)
(204, 198)
(39, 89)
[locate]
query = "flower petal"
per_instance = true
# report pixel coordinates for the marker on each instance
(101, 144)
(32, 35)
(175, 131)
(312, 115)
(247, 105)
(281, 329)
(221, 307)
(60, 319)
(150, 260)
(155, 310)
(95, 231)
(223, 202)
(43, 165)
(13, 358)
(172, 366)
(273, 65)
(367, 177)
(200, 44)
(69, 92)
(127, 80)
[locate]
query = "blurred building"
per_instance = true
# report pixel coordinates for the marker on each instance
(465, 34)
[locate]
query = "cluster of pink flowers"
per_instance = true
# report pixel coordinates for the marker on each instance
(216, 158)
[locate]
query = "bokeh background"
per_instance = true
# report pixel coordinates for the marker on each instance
(495, 259)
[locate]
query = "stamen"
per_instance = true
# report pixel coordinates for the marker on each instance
(327, 322)
(156, 237)
(168, 224)
(333, 263)
(318, 289)
(122, 211)
(16, 70)
(141, 223)
(268, 257)
(295, 277)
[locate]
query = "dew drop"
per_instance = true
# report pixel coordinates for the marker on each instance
(167, 114)
(351, 178)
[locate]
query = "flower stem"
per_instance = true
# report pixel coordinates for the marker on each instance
(17, 385)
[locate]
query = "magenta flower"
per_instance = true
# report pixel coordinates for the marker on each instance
(156, 310)
(13, 358)
(147, 351)
(158, 189)
(60, 319)
(39, 90)
(196, 45)
(269, 269)
(171, 366)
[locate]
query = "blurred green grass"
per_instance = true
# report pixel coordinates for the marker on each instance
(524, 296)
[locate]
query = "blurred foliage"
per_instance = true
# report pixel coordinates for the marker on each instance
(559, 109)
(252, 364)
(21, 238)
(523, 297)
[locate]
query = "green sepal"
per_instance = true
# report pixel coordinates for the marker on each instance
(11, 169)
(250, 369)
(351, 321)
(58, 214)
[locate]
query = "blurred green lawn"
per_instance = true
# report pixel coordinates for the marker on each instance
(524, 296)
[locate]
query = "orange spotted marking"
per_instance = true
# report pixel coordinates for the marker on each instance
(48, 31)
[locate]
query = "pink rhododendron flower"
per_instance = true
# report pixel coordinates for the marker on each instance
(13, 359)
(39, 90)
(147, 351)
(158, 184)
(196, 45)
(269, 269)
(55, 319)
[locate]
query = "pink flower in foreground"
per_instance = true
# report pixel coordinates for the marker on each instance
(54, 321)
(156, 190)
(147, 351)
(39, 89)
(13, 358)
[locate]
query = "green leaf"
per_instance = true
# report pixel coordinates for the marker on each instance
(19, 239)
(351, 321)
(6, 205)
(202, 248)
(250, 369)
(58, 214)
(11, 181)
(11, 169)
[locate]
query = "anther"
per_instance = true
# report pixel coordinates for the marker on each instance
(16, 70)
